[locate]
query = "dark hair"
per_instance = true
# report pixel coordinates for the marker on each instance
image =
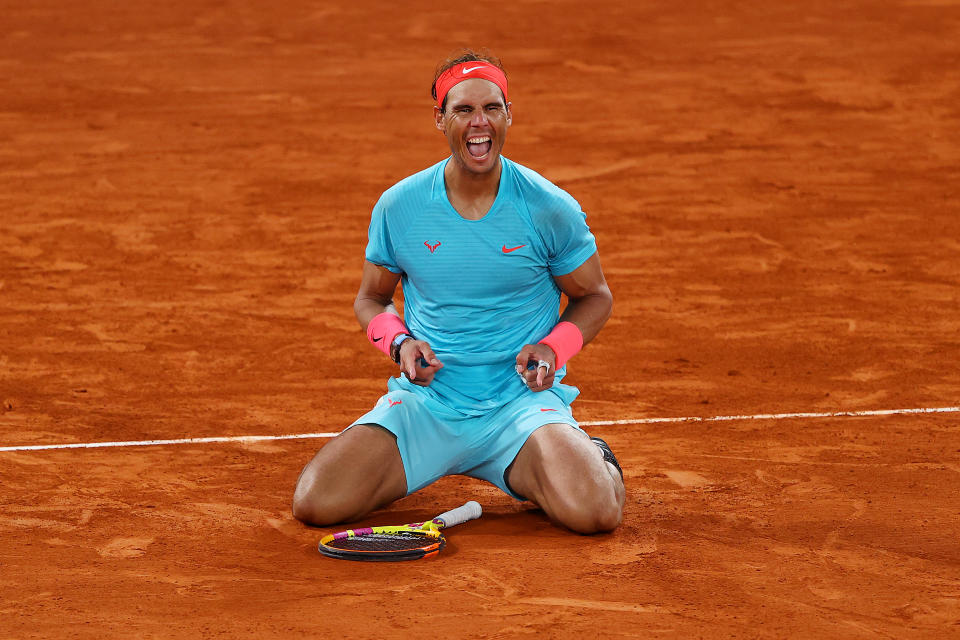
(458, 57)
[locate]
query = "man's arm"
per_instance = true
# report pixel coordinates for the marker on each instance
(589, 305)
(590, 300)
(377, 286)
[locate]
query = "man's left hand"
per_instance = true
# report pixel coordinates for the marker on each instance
(543, 360)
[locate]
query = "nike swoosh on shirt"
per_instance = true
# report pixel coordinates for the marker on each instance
(378, 339)
(505, 250)
(466, 71)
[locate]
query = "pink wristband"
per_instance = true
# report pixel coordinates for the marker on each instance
(565, 340)
(383, 329)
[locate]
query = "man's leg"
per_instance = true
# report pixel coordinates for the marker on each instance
(355, 473)
(561, 470)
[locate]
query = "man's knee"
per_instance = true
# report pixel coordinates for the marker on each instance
(307, 511)
(597, 509)
(311, 504)
(352, 475)
(317, 508)
(563, 472)
(321, 498)
(607, 515)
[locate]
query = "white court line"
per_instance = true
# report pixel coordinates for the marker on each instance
(776, 416)
(152, 443)
(594, 423)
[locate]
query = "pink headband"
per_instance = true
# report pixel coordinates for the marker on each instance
(466, 70)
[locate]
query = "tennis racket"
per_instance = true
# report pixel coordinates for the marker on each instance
(392, 544)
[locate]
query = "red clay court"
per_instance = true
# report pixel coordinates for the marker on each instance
(184, 192)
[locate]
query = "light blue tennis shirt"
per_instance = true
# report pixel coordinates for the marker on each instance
(478, 290)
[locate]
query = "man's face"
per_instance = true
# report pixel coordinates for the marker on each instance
(475, 123)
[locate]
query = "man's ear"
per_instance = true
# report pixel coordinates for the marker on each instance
(509, 113)
(438, 117)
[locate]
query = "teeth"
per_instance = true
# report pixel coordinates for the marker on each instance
(478, 140)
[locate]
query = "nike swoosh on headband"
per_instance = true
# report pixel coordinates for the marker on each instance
(466, 71)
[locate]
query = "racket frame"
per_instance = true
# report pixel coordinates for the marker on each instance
(430, 530)
(432, 538)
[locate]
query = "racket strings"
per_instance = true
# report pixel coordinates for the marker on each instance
(394, 541)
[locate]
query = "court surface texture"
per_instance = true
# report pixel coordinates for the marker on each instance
(184, 192)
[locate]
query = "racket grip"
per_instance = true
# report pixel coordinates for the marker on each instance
(461, 514)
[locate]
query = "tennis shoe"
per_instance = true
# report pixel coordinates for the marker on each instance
(607, 454)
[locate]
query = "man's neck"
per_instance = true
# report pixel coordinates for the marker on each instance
(471, 194)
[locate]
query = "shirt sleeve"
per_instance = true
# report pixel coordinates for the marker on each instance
(379, 245)
(568, 239)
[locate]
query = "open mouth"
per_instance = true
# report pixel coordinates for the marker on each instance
(479, 146)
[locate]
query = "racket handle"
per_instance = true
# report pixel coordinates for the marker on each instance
(461, 514)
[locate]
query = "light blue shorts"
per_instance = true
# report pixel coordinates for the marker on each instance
(436, 441)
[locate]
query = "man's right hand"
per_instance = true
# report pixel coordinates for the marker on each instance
(418, 362)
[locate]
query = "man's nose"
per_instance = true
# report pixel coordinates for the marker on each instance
(479, 118)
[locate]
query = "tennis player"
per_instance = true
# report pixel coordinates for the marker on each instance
(484, 248)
